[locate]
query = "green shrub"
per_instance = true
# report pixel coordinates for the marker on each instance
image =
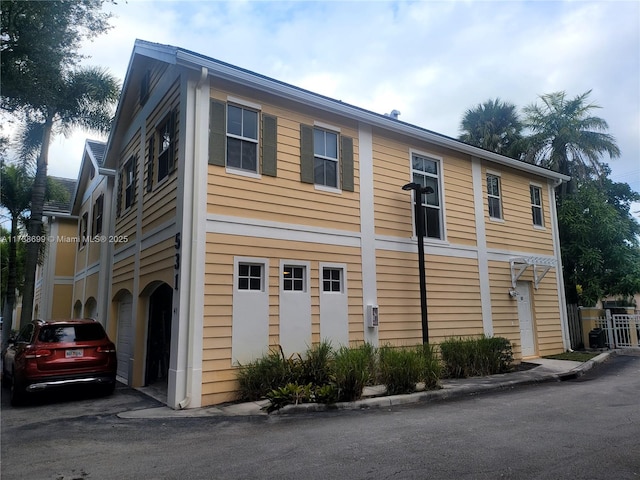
(317, 364)
(258, 378)
(476, 356)
(400, 369)
(351, 371)
(431, 365)
(290, 394)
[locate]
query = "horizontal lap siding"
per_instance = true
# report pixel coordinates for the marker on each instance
(545, 310)
(219, 375)
(157, 263)
(285, 198)
(126, 222)
(66, 251)
(392, 169)
(517, 232)
(123, 273)
(453, 298)
(160, 202)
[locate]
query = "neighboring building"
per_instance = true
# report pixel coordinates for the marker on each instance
(247, 213)
(54, 277)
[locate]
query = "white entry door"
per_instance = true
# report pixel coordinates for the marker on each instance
(525, 318)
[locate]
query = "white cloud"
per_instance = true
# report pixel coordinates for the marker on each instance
(430, 60)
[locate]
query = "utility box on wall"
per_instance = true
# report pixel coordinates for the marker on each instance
(372, 316)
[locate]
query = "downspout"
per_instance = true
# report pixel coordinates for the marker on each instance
(195, 196)
(566, 343)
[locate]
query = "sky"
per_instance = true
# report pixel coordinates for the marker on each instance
(431, 60)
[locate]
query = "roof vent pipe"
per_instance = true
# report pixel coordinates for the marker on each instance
(394, 114)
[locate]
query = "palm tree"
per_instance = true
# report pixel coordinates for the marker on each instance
(15, 196)
(82, 98)
(495, 126)
(566, 137)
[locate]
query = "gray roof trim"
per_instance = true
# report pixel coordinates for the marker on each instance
(192, 60)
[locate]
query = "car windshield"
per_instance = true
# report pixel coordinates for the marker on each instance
(71, 333)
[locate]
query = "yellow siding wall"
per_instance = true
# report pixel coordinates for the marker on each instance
(285, 198)
(157, 263)
(61, 307)
(126, 223)
(123, 273)
(453, 298)
(219, 376)
(392, 169)
(66, 251)
(517, 232)
(160, 202)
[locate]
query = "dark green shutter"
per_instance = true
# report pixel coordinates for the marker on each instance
(217, 133)
(119, 194)
(347, 163)
(269, 145)
(150, 163)
(306, 154)
(134, 183)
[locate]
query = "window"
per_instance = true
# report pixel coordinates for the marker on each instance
(242, 138)
(536, 205)
(331, 279)
(293, 278)
(493, 196)
(250, 276)
(325, 163)
(98, 208)
(83, 229)
(166, 146)
(426, 172)
(129, 183)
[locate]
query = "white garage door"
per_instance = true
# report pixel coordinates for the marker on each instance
(124, 337)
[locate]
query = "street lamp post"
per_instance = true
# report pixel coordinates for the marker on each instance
(419, 190)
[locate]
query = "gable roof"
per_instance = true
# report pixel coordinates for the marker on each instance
(68, 185)
(144, 50)
(96, 150)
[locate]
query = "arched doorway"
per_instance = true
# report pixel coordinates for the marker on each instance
(91, 308)
(159, 335)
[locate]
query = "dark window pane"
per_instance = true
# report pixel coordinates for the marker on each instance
(250, 124)
(318, 142)
(297, 285)
(234, 149)
(331, 149)
(331, 173)
(234, 120)
(254, 283)
(249, 156)
(243, 283)
(326, 286)
(243, 270)
(433, 222)
(255, 271)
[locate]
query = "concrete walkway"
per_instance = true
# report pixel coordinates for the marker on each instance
(547, 370)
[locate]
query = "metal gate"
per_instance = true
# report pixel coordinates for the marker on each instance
(622, 330)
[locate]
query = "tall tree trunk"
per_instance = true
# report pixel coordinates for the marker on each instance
(10, 301)
(35, 224)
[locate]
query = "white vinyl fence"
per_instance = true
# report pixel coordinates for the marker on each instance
(620, 330)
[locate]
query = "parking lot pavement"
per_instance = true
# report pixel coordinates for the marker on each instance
(73, 403)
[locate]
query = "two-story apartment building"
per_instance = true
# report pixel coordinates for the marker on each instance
(246, 212)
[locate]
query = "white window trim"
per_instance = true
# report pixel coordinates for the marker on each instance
(440, 160)
(537, 185)
(244, 103)
(499, 175)
(255, 261)
(326, 126)
(337, 159)
(239, 103)
(306, 280)
(343, 283)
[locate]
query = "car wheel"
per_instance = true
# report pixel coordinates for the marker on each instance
(17, 393)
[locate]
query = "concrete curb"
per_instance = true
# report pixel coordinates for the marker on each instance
(450, 390)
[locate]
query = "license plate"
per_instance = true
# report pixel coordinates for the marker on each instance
(73, 353)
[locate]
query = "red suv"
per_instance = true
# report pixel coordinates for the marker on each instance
(60, 353)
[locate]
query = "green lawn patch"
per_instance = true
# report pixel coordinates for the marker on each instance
(575, 356)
